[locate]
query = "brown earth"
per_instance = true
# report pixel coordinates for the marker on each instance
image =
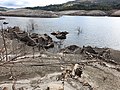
(26, 70)
(29, 13)
(97, 74)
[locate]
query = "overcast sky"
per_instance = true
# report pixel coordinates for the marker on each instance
(27, 3)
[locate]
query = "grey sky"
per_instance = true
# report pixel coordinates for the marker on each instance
(25, 3)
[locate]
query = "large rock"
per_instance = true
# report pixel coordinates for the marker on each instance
(71, 49)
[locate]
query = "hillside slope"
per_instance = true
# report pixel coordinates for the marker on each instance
(82, 5)
(98, 1)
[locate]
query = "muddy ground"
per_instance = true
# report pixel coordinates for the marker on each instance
(97, 75)
(42, 71)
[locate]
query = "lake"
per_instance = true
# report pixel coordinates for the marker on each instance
(94, 31)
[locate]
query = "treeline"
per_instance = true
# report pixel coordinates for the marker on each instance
(80, 6)
(3, 9)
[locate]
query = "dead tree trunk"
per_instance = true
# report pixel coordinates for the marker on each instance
(4, 43)
(33, 51)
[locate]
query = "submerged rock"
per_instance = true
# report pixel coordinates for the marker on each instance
(2, 18)
(60, 35)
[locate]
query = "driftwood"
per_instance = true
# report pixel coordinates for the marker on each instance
(5, 88)
(66, 63)
(7, 62)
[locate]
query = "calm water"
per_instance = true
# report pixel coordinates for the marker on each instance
(95, 31)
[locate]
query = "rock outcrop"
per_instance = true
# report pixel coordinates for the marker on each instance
(116, 13)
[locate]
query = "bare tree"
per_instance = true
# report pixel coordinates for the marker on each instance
(31, 25)
(79, 29)
(4, 41)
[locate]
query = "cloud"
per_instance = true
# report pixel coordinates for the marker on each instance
(28, 3)
(13, 3)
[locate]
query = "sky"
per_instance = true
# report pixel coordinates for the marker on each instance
(29, 3)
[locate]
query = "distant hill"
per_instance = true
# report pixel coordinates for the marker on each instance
(82, 5)
(98, 1)
(5, 9)
(95, 1)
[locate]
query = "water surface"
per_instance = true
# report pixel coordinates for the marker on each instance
(95, 31)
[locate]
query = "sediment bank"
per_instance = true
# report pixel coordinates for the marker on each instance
(30, 13)
(51, 14)
(42, 69)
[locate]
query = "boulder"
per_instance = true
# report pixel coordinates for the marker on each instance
(71, 49)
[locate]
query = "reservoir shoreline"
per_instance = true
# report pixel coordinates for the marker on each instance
(52, 14)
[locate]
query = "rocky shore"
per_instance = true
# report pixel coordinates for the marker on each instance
(70, 68)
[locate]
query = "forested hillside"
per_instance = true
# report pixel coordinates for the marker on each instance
(82, 5)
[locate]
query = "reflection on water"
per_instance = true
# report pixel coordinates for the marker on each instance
(95, 31)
